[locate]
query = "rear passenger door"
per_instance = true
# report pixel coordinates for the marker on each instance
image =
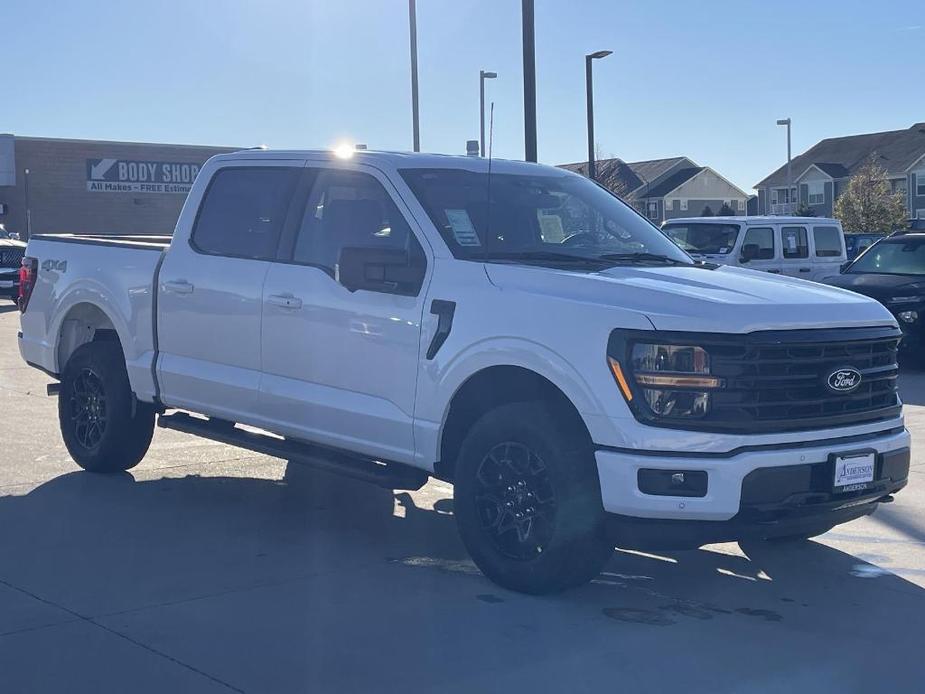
(828, 251)
(211, 290)
(340, 367)
(795, 251)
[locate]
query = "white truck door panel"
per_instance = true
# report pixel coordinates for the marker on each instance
(210, 295)
(340, 367)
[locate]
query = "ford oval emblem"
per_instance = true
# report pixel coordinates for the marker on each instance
(844, 380)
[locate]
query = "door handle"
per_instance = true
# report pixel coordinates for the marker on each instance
(805, 269)
(178, 287)
(774, 272)
(285, 301)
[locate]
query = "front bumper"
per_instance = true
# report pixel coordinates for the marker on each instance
(9, 283)
(753, 491)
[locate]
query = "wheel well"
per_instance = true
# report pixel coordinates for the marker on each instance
(488, 389)
(83, 323)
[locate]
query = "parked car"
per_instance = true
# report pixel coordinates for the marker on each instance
(893, 273)
(11, 254)
(855, 244)
(810, 248)
(577, 377)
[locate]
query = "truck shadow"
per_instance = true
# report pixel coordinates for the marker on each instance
(109, 547)
(8, 307)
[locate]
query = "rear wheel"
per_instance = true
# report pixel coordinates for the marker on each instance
(104, 428)
(528, 501)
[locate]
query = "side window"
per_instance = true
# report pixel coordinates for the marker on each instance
(795, 242)
(351, 209)
(243, 211)
(763, 237)
(828, 242)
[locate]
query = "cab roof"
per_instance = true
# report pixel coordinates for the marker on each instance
(400, 160)
(764, 219)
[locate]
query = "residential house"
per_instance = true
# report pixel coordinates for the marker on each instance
(665, 188)
(821, 173)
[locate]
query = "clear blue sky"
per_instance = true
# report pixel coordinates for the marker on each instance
(702, 79)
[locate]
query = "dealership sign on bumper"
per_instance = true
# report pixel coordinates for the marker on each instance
(130, 176)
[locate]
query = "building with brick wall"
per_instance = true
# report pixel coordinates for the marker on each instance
(50, 185)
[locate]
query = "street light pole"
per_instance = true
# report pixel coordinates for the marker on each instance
(529, 45)
(415, 122)
(482, 77)
(786, 121)
(28, 208)
(589, 88)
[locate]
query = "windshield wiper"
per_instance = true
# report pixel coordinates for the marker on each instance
(642, 258)
(545, 256)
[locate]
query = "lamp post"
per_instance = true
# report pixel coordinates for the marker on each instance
(589, 86)
(483, 75)
(529, 62)
(415, 122)
(786, 121)
(28, 208)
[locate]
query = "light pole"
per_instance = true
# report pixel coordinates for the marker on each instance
(482, 77)
(28, 209)
(786, 121)
(529, 46)
(415, 123)
(589, 86)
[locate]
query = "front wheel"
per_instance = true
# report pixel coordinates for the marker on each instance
(527, 499)
(104, 428)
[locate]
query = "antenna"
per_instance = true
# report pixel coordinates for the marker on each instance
(491, 138)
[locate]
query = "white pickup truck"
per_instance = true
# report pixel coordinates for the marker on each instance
(516, 330)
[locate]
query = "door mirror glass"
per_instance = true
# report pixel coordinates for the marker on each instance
(392, 270)
(750, 251)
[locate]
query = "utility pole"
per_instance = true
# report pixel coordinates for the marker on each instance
(589, 89)
(529, 81)
(786, 121)
(415, 121)
(483, 75)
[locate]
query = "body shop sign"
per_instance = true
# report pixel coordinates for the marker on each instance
(131, 176)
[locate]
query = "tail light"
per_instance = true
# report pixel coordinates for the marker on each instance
(28, 272)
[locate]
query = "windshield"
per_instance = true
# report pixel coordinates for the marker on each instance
(894, 257)
(703, 237)
(544, 218)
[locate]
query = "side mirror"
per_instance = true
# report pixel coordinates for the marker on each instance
(844, 266)
(750, 252)
(392, 270)
(14, 235)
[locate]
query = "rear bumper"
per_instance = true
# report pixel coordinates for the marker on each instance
(761, 492)
(9, 284)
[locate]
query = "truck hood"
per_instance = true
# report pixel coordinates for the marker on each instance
(690, 298)
(878, 286)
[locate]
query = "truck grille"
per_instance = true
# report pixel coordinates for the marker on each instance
(777, 381)
(11, 257)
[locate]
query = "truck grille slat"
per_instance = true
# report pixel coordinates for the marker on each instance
(11, 257)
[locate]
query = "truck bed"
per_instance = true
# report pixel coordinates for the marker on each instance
(77, 272)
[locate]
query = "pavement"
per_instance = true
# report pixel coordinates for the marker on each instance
(211, 569)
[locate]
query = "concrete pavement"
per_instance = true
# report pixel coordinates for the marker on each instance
(211, 569)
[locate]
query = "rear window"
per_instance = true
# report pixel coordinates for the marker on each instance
(243, 211)
(828, 242)
(703, 238)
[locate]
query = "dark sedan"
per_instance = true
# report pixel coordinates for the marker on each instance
(893, 272)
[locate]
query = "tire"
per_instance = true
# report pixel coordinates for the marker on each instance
(104, 428)
(558, 542)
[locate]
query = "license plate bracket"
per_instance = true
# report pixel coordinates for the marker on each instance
(853, 470)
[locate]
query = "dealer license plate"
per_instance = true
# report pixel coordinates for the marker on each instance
(853, 472)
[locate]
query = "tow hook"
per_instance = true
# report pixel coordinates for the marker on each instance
(52, 389)
(888, 499)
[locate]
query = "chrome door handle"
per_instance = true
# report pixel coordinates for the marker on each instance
(178, 287)
(285, 301)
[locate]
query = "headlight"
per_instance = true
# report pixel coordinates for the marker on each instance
(908, 316)
(673, 380)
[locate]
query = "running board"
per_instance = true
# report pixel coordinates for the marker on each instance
(384, 474)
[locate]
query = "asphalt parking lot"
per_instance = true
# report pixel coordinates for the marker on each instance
(211, 569)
